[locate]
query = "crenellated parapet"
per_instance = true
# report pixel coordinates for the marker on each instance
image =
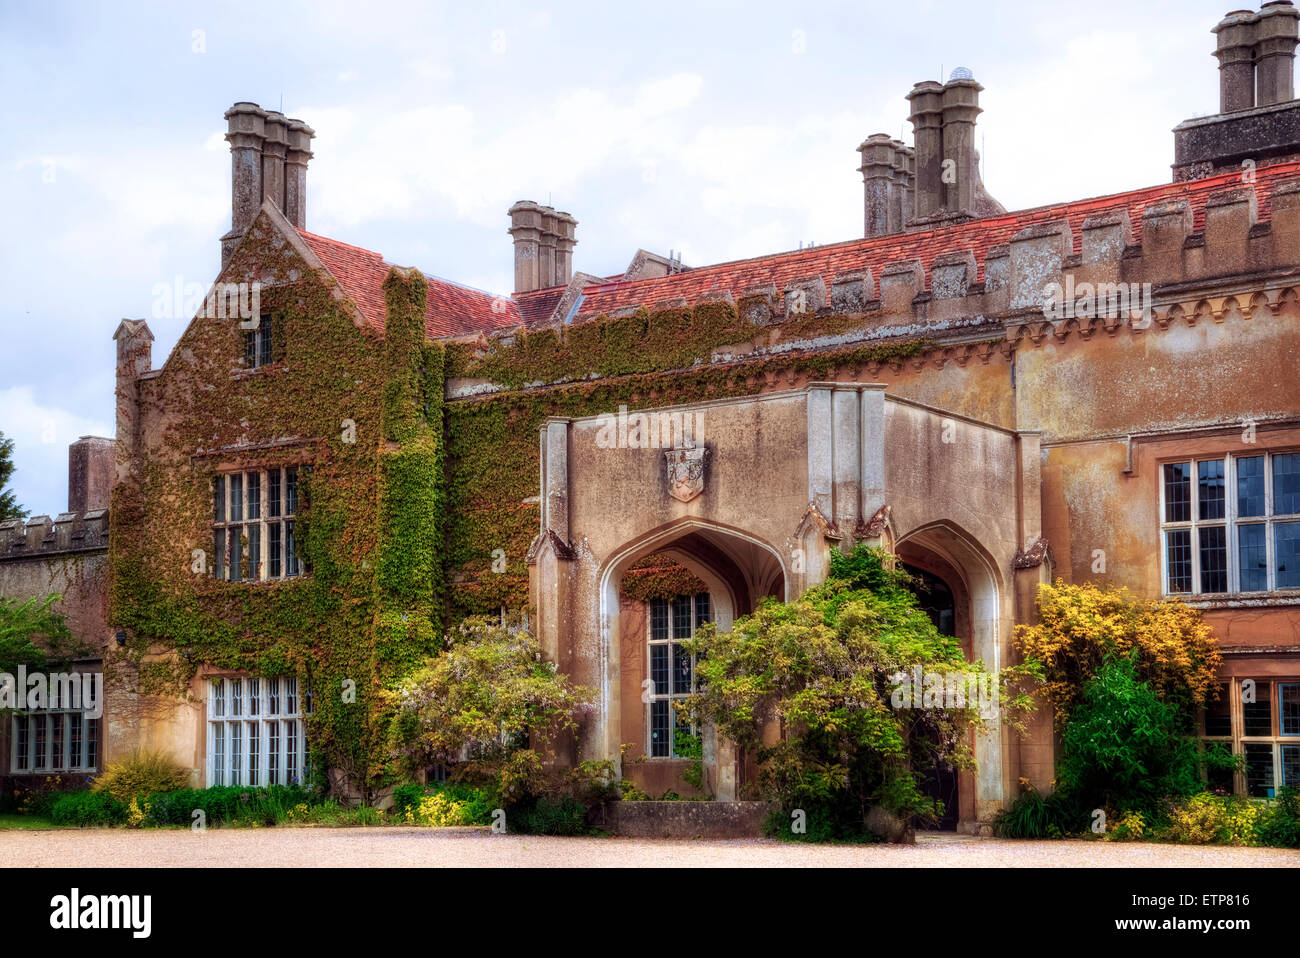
(43, 537)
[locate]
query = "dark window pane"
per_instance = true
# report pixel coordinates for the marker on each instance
(250, 348)
(254, 495)
(290, 550)
(1291, 765)
(264, 341)
(681, 670)
(1252, 558)
(274, 532)
(219, 498)
(291, 491)
(660, 729)
(1286, 552)
(1259, 770)
(236, 498)
(273, 493)
(254, 552)
(1219, 780)
(682, 617)
(1178, 492)
(1178, 551)
(1210, 494)
(659, 669)
(658, 618)
(1218, 715)
(219, 554)
(1214, 559)
(1250, 486)
(1289, 706)
(235, 553)
(703, 609)
(1286, 484)
(1257, 716)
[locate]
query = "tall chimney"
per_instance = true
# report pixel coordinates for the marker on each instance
(295, 172)
(566, 230)
(961, 105)
(1236, 54)
(544, 241)
(1276, 33)
(926, 99)
(92, 468)
(879, 184)
(134, 359)
(268, 160)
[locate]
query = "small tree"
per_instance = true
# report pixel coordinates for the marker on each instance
(1123, 747)
(490, 693)
(1081, 626)
(9, 508)
(824, 668)
(32, 635)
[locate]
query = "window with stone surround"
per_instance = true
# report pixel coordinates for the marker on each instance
(253, 530)
(258, 343)
(256, 734)
(1231, 524)
(53, 740)
(671, 668)
(1258, 719)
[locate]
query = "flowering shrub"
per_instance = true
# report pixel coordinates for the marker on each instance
(438, 811)
(1205, 819)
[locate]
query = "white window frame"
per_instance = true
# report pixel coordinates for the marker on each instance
(258, 529)
(1231, 523)
(86, 759)
(271, 720)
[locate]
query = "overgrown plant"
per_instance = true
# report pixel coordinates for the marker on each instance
(824, 669)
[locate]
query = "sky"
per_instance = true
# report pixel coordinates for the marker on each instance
(719, 130)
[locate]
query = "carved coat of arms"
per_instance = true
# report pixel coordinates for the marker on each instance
(685, 466)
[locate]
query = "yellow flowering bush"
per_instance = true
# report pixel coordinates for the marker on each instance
(137, 813)
(1130, 827)
(438, 811)
(1080, 626)
(1205, 819)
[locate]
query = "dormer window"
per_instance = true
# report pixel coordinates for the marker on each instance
(257, 344)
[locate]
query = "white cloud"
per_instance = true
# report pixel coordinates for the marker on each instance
(41, 435)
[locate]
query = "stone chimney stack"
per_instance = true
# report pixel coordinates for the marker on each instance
(1256, 53)
(544, 241)
(961, 105)
(887, 184)
(268, 160)
(1277, 33)
(926, 99)
(92, 468)
(134, 359)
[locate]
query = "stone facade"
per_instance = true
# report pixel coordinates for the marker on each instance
(922, 389)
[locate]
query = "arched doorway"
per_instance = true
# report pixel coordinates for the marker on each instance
(728, 573)
(958, 586)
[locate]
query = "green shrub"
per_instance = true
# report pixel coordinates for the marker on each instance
(1207, 819)
(476, 804)
(563, 815)
(1124, 748)
(1033, 815)
(141, 773)
(87, 809)
(1278, 825)
(229, 805)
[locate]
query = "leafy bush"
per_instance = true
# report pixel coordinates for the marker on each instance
(1278, 825)
(87, 809)
(1131, 827)
(1080, 627)
(562, 815)
(1124, 748)
(1206, 819)
(437, 811)
(1033, 815)
(475, 804)
(141, 773)
(826, 666)
(228, 805)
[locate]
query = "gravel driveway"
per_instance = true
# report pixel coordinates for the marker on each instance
(456, 847)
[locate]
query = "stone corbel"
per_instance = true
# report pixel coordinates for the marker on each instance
(1033, 557)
